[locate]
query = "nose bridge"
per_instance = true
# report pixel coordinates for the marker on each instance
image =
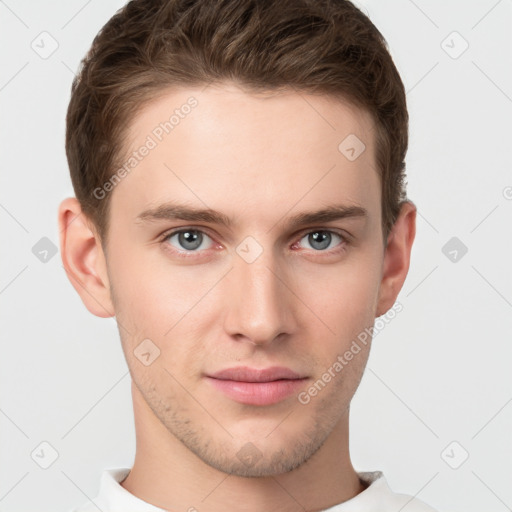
(259, 302)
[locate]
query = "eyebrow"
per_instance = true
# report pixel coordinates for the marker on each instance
(175, 211)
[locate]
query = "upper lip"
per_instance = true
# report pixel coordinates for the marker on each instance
(246, 374)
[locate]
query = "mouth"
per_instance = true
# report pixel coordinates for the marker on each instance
(252, 386)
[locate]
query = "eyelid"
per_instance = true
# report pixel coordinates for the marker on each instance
(340, 232)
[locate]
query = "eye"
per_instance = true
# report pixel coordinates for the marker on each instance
(320, 240)
(188, 240)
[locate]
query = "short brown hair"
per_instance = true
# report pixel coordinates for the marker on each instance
(322, 46)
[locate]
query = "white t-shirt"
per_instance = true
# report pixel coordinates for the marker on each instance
(378, 497)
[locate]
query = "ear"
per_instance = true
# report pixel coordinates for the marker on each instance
(397, 255)
(83, 258)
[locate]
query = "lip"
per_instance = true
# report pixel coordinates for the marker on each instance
(253, 386)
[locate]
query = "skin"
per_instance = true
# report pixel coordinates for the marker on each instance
(259, 159)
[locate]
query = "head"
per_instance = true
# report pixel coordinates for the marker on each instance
(285, 123)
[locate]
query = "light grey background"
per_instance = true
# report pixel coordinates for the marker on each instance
(439, 373)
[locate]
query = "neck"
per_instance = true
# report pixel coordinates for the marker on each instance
(166, 474)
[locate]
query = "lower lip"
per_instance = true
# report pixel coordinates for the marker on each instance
(258, 393)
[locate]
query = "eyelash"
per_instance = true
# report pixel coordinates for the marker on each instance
(341, 247)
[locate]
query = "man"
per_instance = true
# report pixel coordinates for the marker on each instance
(240, 208)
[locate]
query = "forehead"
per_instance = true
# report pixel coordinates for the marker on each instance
(262, 154)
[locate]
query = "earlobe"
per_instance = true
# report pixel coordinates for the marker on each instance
(83, 259)
(397, 255)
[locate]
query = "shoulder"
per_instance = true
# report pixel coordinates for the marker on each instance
(110, 491)
(378, 497)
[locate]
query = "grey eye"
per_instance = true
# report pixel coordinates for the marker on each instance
(320, 240)
(189, 239)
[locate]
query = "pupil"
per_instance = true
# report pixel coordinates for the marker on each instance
(190, 239)
(321, 238)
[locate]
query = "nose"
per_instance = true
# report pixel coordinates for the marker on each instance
(260, 306)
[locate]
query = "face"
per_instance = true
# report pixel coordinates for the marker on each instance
(255, 282)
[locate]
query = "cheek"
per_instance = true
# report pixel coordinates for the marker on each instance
(343, 297)
(163, 302)
(148, 290)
